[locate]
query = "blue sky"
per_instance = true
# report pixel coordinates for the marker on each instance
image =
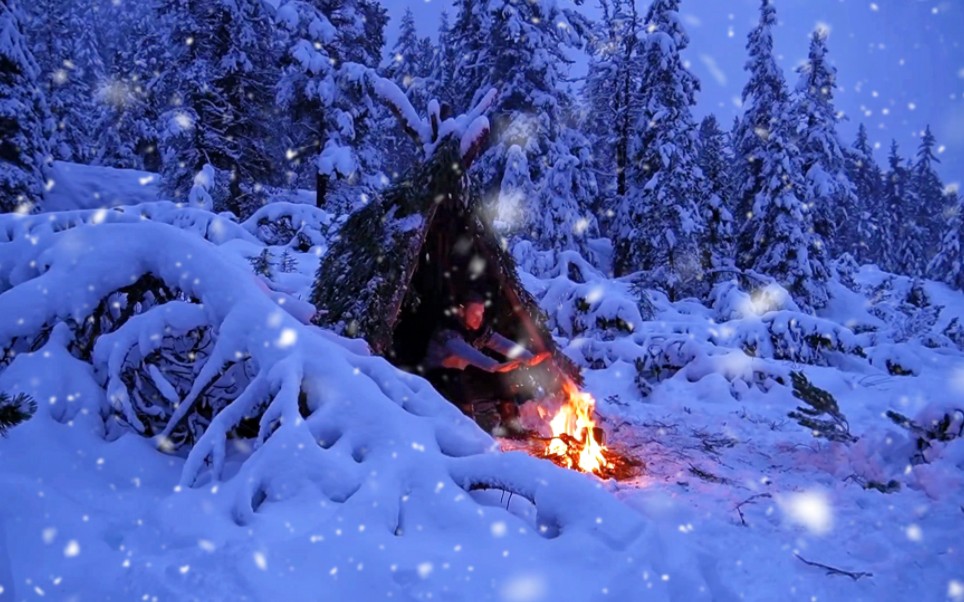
(900, 62)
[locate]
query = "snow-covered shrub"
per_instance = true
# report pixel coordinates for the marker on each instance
(217, 229)
(904, 305)
(200, 194)
(578, 299)
(788, 335)
(730, 300)
(933, 429)
(845, 269)
(954, 333)
(294, 225)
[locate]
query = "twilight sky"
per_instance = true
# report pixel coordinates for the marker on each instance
(900, 62)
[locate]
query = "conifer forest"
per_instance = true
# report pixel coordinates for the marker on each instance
(466, 300)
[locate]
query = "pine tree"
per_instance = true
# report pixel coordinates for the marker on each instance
(24, 117)
(408, 66)
(518, 47)
(288, 262)
(929, 191)
(262, 263)
(221, 66)
(444, 61)
(468, 39)
(515, 192)
(323, 94)
(764, 99)
(660, 219)
(827, 190)
(613, 106)
(863, 171)
(62, 36)
(906, 253)
(714, 159)
(131, 99)
(948, 264)
(777, 238)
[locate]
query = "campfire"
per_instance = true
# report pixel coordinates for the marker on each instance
(575, 441)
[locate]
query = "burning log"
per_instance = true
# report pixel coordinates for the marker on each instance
(577, 442)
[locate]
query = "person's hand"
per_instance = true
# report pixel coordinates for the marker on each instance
(538, 358)
(508, 366)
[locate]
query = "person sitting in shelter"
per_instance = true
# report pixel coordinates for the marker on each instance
(456, 363)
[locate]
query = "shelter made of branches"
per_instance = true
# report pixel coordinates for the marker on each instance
(406, 259)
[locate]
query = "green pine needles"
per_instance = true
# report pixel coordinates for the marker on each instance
(820, 414)
(14, 410)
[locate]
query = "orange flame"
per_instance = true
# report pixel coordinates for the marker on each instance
(574, 442)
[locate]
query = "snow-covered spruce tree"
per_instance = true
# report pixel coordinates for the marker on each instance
(518, 47)
(612, 105)
(900, 222)
(764, 100)
(220, 72)
(468, 39)
(441, 80)
(409, 68)
(131, 98)
(948, 264)
(514, 192)
(929, 192)
(777, 238)
(715, 158)
(660, 219)
(62, 38)
(322, 92)
(406, 63)
(827, 190)
(24, 117)
(865, 174)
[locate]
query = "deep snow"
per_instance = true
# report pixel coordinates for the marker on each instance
(382, 513)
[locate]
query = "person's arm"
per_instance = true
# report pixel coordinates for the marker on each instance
(512, 350)
(459, 355)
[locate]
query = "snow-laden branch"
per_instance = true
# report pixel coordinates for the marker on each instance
(470, 128)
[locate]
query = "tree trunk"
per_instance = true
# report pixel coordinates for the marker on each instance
(321, 189)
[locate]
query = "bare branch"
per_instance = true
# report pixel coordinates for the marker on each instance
(750, 500)
(835, 571)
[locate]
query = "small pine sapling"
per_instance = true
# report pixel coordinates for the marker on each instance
(263, 264)
(14, 410)
(950, 426)
(288, 263)
(821, 414)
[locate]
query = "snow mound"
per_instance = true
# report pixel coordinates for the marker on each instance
(155, 331)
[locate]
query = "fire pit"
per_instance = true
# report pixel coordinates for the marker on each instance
(570, 437)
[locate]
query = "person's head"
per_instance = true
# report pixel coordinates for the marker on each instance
(472, 311)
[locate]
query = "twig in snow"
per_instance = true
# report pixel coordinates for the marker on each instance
(749, 500)
(834, 571)
(708, 476)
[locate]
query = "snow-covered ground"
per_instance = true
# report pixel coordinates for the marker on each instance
(363, 483)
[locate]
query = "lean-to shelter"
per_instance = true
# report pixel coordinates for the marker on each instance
(400, 264)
